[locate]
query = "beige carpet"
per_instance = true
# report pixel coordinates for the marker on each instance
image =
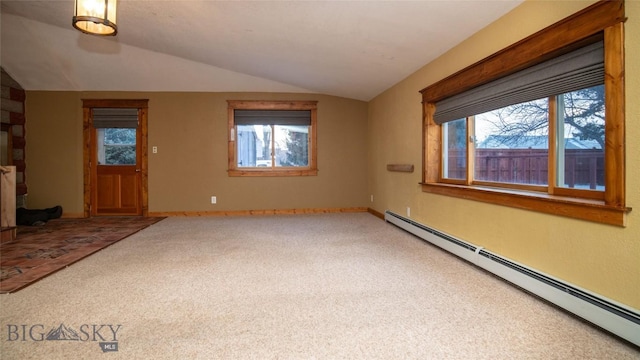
(334, 286)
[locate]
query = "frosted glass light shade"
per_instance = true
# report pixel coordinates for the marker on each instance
(97, 17)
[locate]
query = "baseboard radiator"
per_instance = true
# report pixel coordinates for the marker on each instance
(605, 313)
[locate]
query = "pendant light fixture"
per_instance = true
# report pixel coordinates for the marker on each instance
(96, 17)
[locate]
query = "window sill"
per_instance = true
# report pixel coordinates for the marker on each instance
(266, 173)
(584, 209)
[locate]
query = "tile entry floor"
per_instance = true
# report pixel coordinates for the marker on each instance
(39, 251)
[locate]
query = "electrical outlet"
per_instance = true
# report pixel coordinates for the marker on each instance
(371, 198)
(408, 211)
(154, 149)
(214, 200)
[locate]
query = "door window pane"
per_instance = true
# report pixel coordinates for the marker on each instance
(116, 146)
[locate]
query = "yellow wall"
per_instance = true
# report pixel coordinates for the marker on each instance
(190, 130)
(600, 258)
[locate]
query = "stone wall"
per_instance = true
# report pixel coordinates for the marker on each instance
(13, 120)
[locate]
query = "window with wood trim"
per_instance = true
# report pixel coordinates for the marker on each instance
(272, 138)
(538, 125)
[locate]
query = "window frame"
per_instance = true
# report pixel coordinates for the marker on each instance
(604, 18)
(234, 170)
(552, 162)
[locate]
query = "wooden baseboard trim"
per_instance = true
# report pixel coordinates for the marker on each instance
(72, 215)
(258, 212)
(375, 213)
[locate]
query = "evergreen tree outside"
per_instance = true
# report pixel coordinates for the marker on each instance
(120, 146)
(297, 148)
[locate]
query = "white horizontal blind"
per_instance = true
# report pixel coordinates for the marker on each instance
(579, 69)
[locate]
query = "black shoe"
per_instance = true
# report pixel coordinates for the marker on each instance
(54, 212)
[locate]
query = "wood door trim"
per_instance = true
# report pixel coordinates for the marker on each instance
(88, 135)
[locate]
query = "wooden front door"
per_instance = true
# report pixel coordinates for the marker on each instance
(118, 180)
(115, 157)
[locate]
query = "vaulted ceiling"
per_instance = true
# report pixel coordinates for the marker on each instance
(353, 49)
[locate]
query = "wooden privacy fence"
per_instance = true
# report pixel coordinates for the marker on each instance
(582, 168)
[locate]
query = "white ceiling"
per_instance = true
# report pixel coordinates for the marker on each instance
(353, 49)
